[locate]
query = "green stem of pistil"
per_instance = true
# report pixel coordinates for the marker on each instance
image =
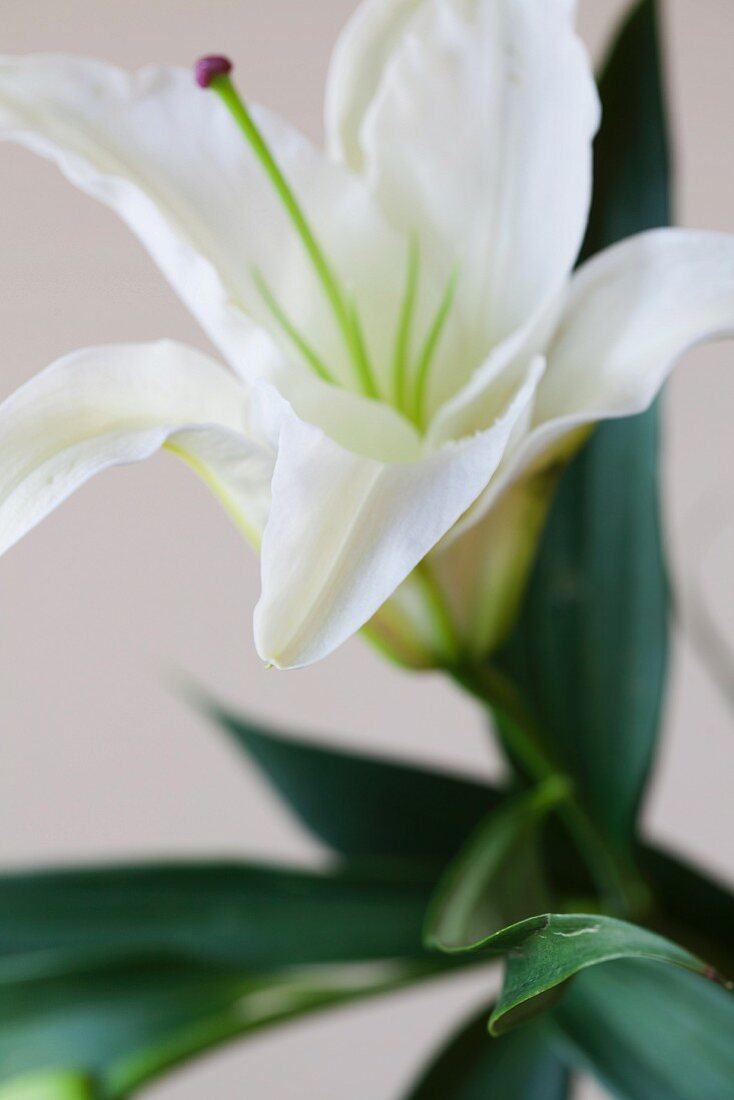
(229, 95)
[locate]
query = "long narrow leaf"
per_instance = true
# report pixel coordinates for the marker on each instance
(364, 806)
(590, 648)
(127, 1020)
(692, 905)
(651, 1032)
(122, 972)
(254, 917)
(474, 1066)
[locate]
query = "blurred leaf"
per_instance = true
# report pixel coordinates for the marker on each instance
(589, 652)
(632, 161)
(127, 1020)
(123, 972)
(395, 809)
(543, 952)
(651, 1032)
(496, 879)
(474, 1066)
(684, 903)
(363, 806)
(50, 1086)
(691, 906)
(250, 916)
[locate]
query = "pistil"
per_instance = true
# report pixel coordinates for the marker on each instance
(214, 73)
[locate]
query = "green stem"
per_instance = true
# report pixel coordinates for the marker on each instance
(619, 885)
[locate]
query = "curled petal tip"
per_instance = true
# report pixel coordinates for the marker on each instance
(210, 67)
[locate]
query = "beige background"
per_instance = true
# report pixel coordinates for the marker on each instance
(140, 575)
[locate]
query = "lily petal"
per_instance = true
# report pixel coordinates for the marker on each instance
(344, 531)
(631, 313)
(473, 121)
(475, 405)
(360, 56)
(170, 160)
(107, 406)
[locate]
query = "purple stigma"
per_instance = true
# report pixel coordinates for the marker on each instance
(208, 68)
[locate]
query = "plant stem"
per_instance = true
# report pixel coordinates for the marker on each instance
(619, 885)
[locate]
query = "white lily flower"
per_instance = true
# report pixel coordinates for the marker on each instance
(410, 354)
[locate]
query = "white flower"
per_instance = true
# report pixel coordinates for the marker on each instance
(409, 351)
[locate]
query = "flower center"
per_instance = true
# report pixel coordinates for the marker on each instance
(410, 376)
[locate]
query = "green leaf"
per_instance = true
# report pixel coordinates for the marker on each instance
(50, 1086)
(544, 957)
(543, 952)
(254, 917)
(651, 1032)
(125, 971)
(496, 879)
(632, 161)
(683, 903)
(589, 652)
(361, 806)
(691, 907)
(474, 1066)
(128, 1020)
